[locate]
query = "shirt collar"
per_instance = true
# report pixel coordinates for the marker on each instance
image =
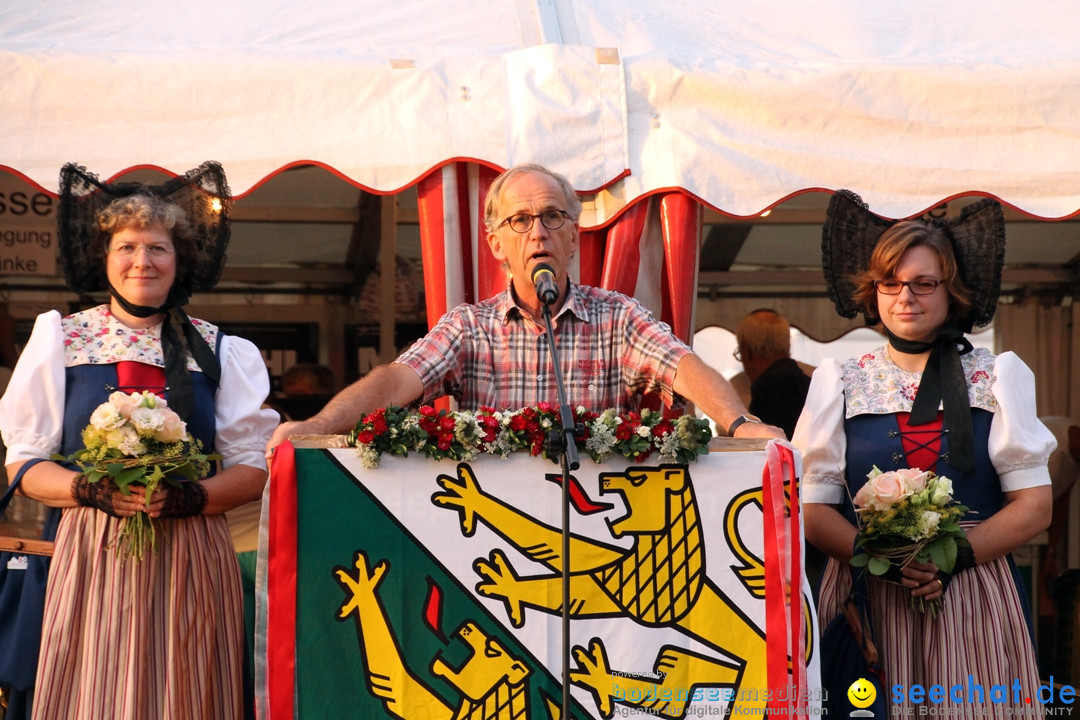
(509, 308)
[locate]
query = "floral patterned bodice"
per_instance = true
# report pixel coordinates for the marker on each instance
(96, 337)
(874, 384)
(876, 390)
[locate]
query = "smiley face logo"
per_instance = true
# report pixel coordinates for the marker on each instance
(862, 694)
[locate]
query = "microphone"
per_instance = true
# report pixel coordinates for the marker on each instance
(543, 277)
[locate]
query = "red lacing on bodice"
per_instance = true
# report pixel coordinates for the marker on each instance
(922, 443)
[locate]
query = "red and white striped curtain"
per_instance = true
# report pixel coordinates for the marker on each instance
(649, 252)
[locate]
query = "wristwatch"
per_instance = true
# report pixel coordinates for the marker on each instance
(737, 423)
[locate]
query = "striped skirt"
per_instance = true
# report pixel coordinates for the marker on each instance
(978, 648)
(160, 637)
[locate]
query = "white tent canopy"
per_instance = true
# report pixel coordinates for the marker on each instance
(739, 104)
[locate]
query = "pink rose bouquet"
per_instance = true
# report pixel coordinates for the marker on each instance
(136, 439)
(906, 515)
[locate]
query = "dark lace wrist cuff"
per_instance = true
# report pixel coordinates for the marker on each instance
(185, 500)
(965, 558)
(94, 494)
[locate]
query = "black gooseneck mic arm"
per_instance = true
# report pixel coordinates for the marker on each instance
(562, 449)
(561, 445)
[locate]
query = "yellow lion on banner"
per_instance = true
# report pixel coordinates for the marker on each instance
(491, 682)
(660, 581)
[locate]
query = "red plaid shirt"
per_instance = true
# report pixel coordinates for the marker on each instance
(493, 354)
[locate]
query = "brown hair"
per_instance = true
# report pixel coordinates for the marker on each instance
(140, 211)
(890, 249)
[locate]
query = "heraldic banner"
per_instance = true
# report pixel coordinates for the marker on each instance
(433, 589)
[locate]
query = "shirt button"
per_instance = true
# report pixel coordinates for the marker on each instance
(591, 386)
(539, 378)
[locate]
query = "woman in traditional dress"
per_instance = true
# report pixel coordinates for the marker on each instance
(926, 399)
(159, 636)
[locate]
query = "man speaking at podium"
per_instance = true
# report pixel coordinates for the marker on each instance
(494, 353)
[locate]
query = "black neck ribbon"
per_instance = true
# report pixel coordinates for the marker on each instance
(178, 338)
(943, 382)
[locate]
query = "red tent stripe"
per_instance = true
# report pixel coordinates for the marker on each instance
(463, 228)
(430, 212)
(492, 276)
(591, 257)
(623, 250)
(680, 218)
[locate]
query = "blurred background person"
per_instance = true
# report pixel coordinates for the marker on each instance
(305, 388)
(778, 384)
(24, 517)
(307, 379)
(777, 388)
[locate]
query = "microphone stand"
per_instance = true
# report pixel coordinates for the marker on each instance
(563, 446)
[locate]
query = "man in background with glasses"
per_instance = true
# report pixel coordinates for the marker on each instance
(494, 353)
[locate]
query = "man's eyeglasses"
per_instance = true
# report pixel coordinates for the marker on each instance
(922, 286)
(157, 252)
(523, 222)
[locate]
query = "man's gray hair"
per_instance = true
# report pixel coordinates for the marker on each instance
(491, 203)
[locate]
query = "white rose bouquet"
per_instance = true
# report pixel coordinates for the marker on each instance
(135, 439)
(905, 515)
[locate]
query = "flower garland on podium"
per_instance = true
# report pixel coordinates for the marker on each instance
(462, 436)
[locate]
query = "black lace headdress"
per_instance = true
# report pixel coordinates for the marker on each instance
(202, 193)
(204, 196)
(851, 232)
(848, 239)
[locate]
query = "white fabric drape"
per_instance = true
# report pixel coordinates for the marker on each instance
(740, 106)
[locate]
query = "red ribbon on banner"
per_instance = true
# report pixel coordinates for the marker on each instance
(281, 584)
(783, 582)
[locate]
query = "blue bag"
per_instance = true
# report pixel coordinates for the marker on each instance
(22, 601)
(849, 654)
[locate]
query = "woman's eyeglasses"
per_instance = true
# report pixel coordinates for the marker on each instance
(922, 286)
(156, 252)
